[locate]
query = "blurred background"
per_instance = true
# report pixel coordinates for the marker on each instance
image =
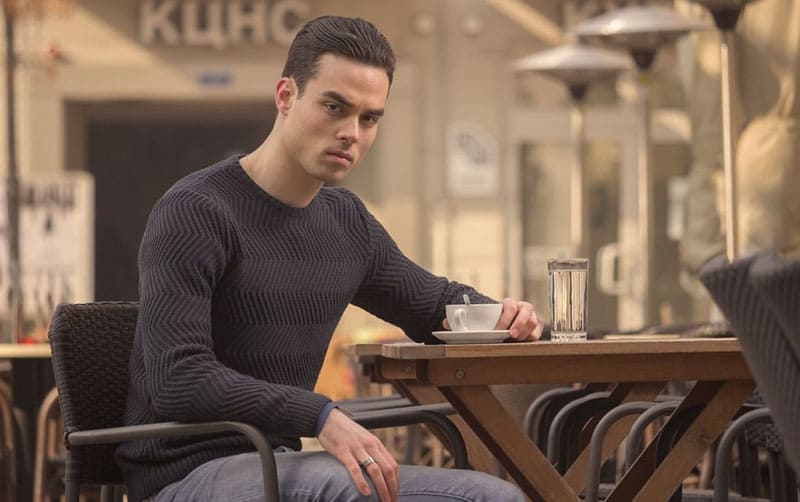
(115, 101)
(108, 103)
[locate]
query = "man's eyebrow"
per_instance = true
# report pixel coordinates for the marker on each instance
(344, 101)
(338, 97)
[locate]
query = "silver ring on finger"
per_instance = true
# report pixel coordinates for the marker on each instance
(366, 462)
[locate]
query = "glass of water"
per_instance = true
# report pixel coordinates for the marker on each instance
(568, 285)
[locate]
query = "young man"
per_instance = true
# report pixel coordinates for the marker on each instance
(245, 269)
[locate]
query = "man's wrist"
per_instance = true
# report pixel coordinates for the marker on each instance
(323, 415)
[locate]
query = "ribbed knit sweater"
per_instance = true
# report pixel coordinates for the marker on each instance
(240, 295)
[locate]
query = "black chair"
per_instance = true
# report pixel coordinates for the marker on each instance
(777, 280)
(91, 345)
(766, 346)
(563, 438)
(751, 425)
(756, 432)
(8, 455)
(738, 288)
(541, 412)
(48, 472)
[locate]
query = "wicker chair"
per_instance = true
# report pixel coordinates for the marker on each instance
(778, 283)
(768, 352)
(91, 345)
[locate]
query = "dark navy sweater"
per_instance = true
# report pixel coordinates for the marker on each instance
(240, 295)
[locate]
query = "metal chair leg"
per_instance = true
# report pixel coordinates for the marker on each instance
(72, 484)
(41, 459)
(107, 493)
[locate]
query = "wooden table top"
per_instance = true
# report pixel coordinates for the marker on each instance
(24, 350)
(364, 349)
(591, 347)
(552, 362)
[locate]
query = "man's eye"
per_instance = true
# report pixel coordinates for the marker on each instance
(333, 107)
(370, 119)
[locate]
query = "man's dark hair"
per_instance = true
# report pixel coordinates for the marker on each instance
(353, 38)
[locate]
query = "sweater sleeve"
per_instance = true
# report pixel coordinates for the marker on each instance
(401, 292)
(184, 252)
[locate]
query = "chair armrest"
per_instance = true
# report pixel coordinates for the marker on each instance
(664, 405)
(373, 403)
(534, 413)
(591, 404)
(429, 414)
(634, 444)
(596, 443)
(724, 450)
(183, 429)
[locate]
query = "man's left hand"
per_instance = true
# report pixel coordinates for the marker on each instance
(521, 321)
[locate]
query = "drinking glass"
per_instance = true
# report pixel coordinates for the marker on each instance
(568, 284)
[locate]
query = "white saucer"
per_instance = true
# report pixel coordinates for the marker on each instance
(491, 336)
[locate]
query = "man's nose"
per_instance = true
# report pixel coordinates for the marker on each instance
(349, 130)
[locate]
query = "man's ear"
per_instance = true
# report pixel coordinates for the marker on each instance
(285, 94)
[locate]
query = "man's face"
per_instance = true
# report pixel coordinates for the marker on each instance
(332, 125)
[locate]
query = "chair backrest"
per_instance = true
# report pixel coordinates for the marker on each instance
(762, 434)
(771, 359)
(91, 345)
(778, 283)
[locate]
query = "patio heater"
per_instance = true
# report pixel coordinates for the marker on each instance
(577, 66)
(726, 14)
(642, 30)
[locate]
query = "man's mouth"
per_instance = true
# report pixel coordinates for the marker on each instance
(340, 154)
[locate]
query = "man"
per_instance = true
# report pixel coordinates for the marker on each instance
(245, 269)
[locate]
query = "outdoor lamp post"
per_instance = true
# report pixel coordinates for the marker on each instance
(577, 66)
(12, 10)
(12, 183)
(726, 14)
(642, 30)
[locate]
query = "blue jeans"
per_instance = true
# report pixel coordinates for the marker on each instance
(317, 476)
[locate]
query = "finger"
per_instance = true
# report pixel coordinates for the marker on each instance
(521, 328)
(391, 472)
(394, 483)
(533, 329)
(358, 476)
(508, 314)
(446, 324)
(537, 332)
(379, 482)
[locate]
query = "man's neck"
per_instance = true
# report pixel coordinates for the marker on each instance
(269, 166)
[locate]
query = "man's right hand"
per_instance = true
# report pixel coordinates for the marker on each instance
(352, 444)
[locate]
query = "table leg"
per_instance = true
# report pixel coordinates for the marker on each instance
(479, 457)
(698, 438)
(521, 458)
(626, 393)
(647, 481)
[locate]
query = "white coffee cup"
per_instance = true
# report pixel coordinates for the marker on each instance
(474, 317)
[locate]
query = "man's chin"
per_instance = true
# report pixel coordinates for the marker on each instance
(333, 176)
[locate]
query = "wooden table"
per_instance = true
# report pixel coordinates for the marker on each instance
(24, 351)
(635, 370)
(32, 379)
(367, 354)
